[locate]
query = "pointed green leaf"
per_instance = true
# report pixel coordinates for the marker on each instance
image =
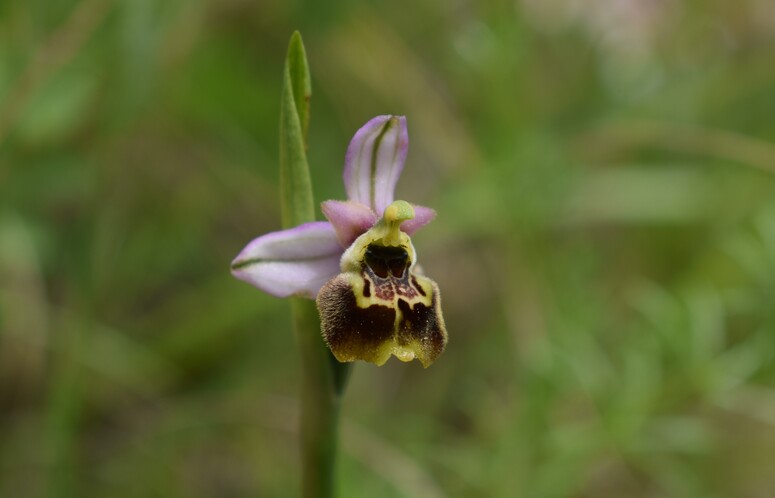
(300, 81)
(295, 185)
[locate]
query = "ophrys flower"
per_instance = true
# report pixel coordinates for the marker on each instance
(360, 266)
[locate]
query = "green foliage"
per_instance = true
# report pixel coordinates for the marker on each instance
(295, 185)
(605, 246)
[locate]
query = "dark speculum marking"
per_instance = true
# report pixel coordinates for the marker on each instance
(366, 288)
(388, 269)
(386, 261)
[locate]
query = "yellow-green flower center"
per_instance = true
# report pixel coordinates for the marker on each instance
(388, 229)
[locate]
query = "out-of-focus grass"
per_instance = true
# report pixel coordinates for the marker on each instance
(604, 176)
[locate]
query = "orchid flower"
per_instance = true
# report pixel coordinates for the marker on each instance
(360, 265)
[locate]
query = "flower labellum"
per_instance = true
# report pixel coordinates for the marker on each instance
(379, 305)
(360, 268)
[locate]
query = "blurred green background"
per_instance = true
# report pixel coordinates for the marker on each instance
(604, 176)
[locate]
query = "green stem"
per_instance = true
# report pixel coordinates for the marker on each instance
(323, 378)
(63, 413)
(319, 405)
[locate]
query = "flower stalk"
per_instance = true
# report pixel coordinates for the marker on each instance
(322, 377)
